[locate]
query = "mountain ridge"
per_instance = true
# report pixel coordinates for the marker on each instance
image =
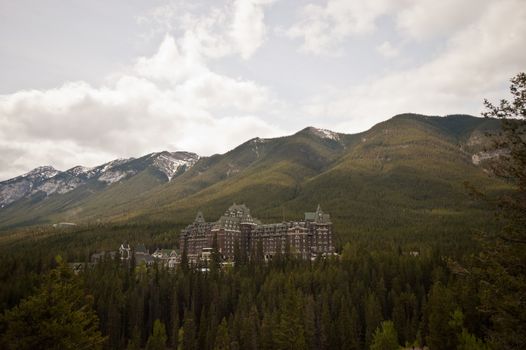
(412, 161)
(50, 180)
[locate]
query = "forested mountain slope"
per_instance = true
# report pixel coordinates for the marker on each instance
(404, 174)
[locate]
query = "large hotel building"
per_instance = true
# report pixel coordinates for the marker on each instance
(307, 239)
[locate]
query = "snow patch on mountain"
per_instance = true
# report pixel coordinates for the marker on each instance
(50, 181)
(112, 176)
(19, 187)
(114, 163)
(108, 173)
(325, 134)
(79, 170)
(38, 174)
(172, 163)
(480, 157)
(58, 185)
(12, 192)
(255, 142)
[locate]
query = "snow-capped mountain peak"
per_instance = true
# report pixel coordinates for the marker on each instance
(172, 163)
(42, 172)
(78, 170)
(14, 189)
(48, 180)
(107, 166)
(324, 133)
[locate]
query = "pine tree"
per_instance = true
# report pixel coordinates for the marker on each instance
(310, 323)
(373, 316)
(222, 341)
(500, 269)
(135, 341)
(325, 325)
(249, 330)
(385, 337)
(189, 331)
(180, 339)
(355, 333)
(344, 326)
(57, 316)
(466, 340)
(440, 307)
(157, 341)
(267, 342)
(175, 324)
(290, 334)
(203, 330)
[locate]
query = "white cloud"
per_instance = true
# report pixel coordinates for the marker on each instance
(424, 19)
(169, 63)
(170, 100)
(387, 50)
(475, 63)
(324, 28)
(237, 27)
(248, 30)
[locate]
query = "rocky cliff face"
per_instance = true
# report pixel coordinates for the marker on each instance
(23, 185)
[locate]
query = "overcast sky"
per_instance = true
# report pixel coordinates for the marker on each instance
(84, 82)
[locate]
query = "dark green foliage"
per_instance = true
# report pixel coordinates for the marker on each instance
(440, 307)
(135, 341)
(57, 316)
(373, 316)
(157, 341)
(289, 334)
(385, 337)
(466, 340)
(222, 341)
(500, 268)
(189, 332)
(285, 304)
(345, 326)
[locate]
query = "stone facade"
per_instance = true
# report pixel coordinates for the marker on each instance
(306, 239)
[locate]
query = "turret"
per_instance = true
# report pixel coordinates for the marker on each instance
(199, 217)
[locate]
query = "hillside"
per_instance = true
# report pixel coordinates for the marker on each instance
(404, 174)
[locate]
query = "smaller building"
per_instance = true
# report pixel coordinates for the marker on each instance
(146, 259)
(172, 263)
(168, 257)
(125, 251)
(164, 253)
(142, 256)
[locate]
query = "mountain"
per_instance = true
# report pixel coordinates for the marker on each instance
(19, 187)
(404, 174)
(46, 180)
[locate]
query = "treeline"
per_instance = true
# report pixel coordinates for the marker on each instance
(287, 304)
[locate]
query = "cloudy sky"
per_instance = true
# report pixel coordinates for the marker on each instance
(84, 82)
